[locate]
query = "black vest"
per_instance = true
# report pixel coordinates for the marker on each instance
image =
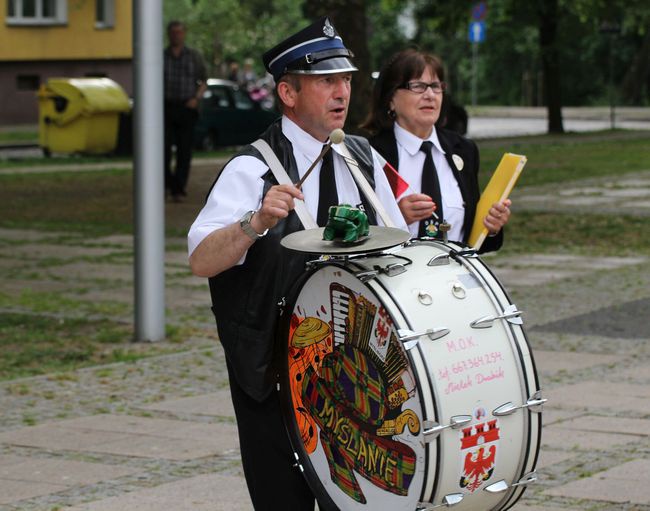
(245, 297)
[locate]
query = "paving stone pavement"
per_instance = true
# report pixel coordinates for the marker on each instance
(159, 433)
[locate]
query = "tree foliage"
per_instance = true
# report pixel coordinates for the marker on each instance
(510, 59)
(233, 30)
(538, 52)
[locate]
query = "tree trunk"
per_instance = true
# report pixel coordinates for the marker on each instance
(349, 18)
(548, 19)
(637, 77)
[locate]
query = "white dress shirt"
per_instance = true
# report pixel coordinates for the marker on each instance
(240, 187)
(411, 161)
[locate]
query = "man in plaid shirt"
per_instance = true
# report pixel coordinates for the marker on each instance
(185, 82)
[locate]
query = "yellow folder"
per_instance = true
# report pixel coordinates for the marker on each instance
(498, 189)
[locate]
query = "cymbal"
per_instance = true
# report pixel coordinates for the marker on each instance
(311, 241)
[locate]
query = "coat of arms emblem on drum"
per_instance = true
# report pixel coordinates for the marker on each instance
(479, 444)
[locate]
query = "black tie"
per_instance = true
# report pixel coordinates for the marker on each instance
(430, 186)
(327, 195)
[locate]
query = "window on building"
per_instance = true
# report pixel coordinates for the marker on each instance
(28, 82)
(104, 13)
(37, 12)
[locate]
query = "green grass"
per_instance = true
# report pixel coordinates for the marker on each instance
(27, 135)
(595, 235)
(98, 203)
(33, 344)
(51, 302)
(35, 161)
(569, 158)
(79, 159)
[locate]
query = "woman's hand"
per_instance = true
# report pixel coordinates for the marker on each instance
(416, 207)
(498, 216)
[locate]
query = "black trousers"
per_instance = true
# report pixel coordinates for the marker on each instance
(273, 482)
(179, 130)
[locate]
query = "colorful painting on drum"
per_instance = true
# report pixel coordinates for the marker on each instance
(479, 444)
(350, 383)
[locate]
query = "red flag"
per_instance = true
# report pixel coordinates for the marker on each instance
(397, 182)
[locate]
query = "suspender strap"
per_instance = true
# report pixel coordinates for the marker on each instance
(283, 178)
(301, 210)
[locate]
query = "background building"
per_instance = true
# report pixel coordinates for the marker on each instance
(40, 39)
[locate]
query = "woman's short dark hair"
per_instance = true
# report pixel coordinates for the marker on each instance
(398, 70)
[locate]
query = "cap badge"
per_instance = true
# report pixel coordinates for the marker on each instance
(328, 29)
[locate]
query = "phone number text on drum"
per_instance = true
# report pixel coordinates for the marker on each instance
(469, 363)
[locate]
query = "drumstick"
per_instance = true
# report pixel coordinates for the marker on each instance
(336, 137)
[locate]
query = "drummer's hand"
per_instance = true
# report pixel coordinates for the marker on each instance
(416, 207)
(498, 216)
(277, 204)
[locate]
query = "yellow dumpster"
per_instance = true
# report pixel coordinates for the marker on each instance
(80, 115)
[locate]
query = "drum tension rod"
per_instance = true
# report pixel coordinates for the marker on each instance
(439, 260)
(447, 501)
(499, 486)
(468, 252)
(433, 429)
(534, 404)
(411, 338)
(510, 314)
(390, 270)
(456, 255)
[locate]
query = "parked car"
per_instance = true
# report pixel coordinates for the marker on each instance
(228, 116)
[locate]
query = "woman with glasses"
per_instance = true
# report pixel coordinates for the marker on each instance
(439, 165)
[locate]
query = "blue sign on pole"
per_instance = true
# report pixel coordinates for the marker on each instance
(479, 11)
(477, 31)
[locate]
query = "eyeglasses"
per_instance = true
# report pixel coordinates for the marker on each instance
(420, 87)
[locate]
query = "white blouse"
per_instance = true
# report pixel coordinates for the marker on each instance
(411, 161)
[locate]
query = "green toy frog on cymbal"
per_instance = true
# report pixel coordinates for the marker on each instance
(346, 223)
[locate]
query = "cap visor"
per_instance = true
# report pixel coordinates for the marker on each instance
(327, 66)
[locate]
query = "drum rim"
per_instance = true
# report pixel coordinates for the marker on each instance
(529, 459)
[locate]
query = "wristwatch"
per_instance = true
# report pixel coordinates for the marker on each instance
(245, 224)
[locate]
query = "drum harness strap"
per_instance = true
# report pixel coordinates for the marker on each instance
(301, 210)
(283, 178)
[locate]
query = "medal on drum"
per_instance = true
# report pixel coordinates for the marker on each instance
(431, 228)
(436, 229)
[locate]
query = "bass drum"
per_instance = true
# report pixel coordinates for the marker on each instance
(408, 383)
